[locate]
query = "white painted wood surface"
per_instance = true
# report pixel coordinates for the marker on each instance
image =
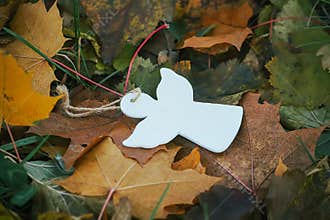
(212, 126)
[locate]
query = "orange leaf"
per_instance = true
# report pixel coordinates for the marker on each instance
(20, 104)
(44, 30)
(191, 161)
(104, 167)
(231, 28)
(281, 168)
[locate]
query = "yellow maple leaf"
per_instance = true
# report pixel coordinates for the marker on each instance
(20, 104)
(44, 30)
(104, 167)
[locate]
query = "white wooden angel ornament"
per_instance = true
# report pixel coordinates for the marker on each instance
(211, 126)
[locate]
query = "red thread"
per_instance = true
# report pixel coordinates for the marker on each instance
(13, 142)
(86, 78)
(164, 26)
(106, 203)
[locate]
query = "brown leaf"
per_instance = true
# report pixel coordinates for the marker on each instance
(231, 29)
(83, 132)
(263, 139)
(191, 161)
(122, 210)
(130, 21)
(123, 131)
(104, 167)
(88, 131)
(281, 168)
(44, 30)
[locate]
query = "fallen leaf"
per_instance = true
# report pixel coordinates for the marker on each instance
(42, 29)
(191, 161)
(123, 210)
(20, 104)
(7, 9)
(301, 117)
(231, 29)
(226, 83)
(262, 140)
(52, 198)
(223, 203)
(85, 132)
(289, 74)
(281, 168)
(297, 197)
(130, 21)
(121, 132)
(323, 145)
(104, 167)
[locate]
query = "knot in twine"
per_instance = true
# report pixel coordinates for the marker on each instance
(79, 112)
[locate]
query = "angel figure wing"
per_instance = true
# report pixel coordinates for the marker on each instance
(151, 132)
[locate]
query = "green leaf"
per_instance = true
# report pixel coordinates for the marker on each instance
(309, 40)
(225, 84)
(14, 183)
(297, 197)
(323, 145)
(283, 28)
(144, 75)
(23, 196)
(121, 61)
(264, 16)
(300, 117)
(223, 203)
(52, 198)
(178, 29)
(299, 80)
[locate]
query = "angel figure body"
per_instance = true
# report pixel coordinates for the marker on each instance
(211, 126)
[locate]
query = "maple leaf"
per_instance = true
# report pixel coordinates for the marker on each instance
(44, 30)
(20, 104)
(230, 29)
(261, 141)
(104, 167)
(86, 132)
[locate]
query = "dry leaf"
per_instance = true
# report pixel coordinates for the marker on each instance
(263, 140)
(122, 210)
(44, 30)
(83, 132)
(20, 104)
(281, 168)
(88, 131)
(121, 132)
(231, 29)
(191, 161)
(104, 167)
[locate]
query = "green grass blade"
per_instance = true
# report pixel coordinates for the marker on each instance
(21, 142)
(154, 211)
(35, 49)
(306, 149)
(36, 149)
